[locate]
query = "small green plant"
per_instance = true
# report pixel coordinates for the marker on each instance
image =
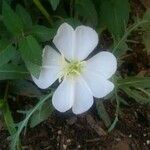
(27, 26)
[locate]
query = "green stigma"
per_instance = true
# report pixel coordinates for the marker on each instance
(70, 68)
(73, 68)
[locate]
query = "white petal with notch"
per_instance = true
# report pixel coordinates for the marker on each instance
(51, 68)
(75, 44)
(83, 98)
(86, 39)
(64, 41)
(63, 97)
(99, 86)
(103, 64)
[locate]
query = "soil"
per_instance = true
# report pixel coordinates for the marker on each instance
(87, 131)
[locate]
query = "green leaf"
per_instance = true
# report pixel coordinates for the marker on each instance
(143, 82)
(24, 15)
(115, 14)
(136, 88)
(7, 54)
(31, 53)
(86, 10)
(113, 125)
(146, 40)
(43, 33)
(71, 21)
(10, 71)
(133, 27)
(25, 88)
(54, 3)
(5, 34)
(24, 123)
(121, 100)
(147, 15)
(146, 29)
(11, 19)
(122, 49)
(33, 68)
(103, 113)
(8, 117)
(41, 114)
(137, 95)
(3, 44)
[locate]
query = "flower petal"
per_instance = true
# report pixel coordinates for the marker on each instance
(64, 40)
(99, 86)
(50, 57)
(83, 98)
(86, 39)
(75, 44)
(63, 97)
(50, 69)
(103, 63)
(47, 77)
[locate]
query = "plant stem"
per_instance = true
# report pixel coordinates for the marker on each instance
(127, 33)
(116, 113)
(25, 121)
(71, 7)
(103, 113)
(144, 91)
(117, 105)
(43, 11)
(8, 117)
(7, 113)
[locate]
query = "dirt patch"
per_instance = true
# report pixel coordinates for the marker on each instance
(62, 132)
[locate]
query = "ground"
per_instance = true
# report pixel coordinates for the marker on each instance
(87, 131)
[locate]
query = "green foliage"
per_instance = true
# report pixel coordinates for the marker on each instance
(41, 114)
(146, 28)
(146, 40)
(7, 54)
(24, 16)
(42, 33)
(31, 53)
(11, 71)
(140, 95)
(54, 3)
(8, 117)
(25, 88)
(113, 124)
(72, 21)
(103, 113)
(23, 124)
(120, 47)
(117, 99)
(115, 14)
(136, 88)
(147, 17)
(86, 10)
(142, 82)
(9, 120)
(11, 19)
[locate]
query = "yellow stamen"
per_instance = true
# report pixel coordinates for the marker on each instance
(72, 68)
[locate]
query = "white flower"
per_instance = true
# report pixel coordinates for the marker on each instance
(81, 79)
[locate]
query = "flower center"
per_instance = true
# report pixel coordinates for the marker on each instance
(73, 68)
